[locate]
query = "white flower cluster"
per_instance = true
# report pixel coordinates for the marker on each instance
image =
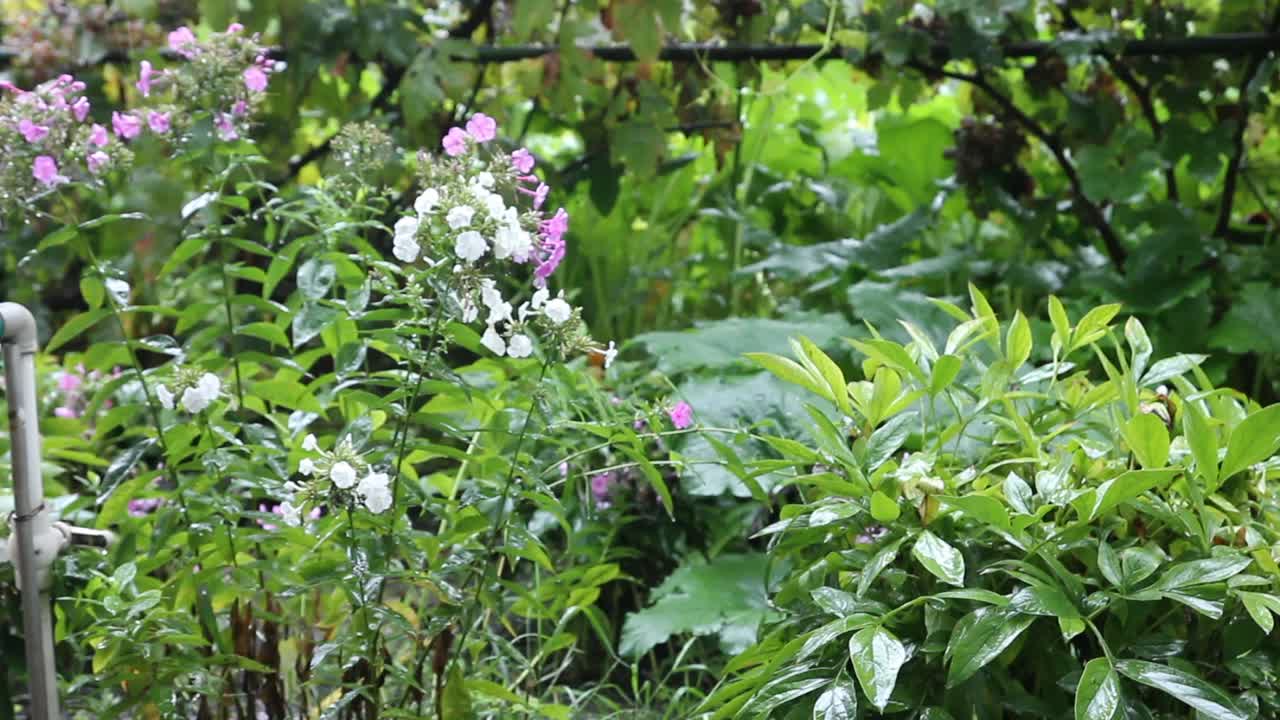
(193, 393)
(343, 468)
(473, 215)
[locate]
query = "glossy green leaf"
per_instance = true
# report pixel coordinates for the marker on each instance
(1210, 701)
(939, 558)
(1202, 439)
(980, 637)
(1128, 486)
(1255, 439)
(1148, 438)
(1098, 693)
(877, 657)
(838, 702)
(1018, 341)
(884, 508)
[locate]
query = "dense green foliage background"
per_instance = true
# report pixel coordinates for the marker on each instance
(902, 152)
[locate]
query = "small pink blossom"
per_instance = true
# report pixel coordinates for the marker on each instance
(65, 412)
(681, 415)
(522, 160)
(255, 79)
(6, 85)
(234, 28)
(600, 485)
(144, 79)
(554, 229)
(69, 382)
(183, 41)
(141, 507)
(482, 128)
(240, 108)
(80, 108)
(97, 160)
(540, 195)
(226, 127)
(31, 131)
(98, 136)
(455, 142)
(158, 122)
(126, 125)
(45, 170)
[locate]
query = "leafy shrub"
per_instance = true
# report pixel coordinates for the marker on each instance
(984, 536)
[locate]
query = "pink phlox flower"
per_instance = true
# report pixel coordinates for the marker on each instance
(66, 411)
(681, 415)
(80, 108)
(141, 507)
(522, 160)
(144, 79)
(555, 228)
(158, 122)
(455, 142)
(98, 136)
(96, 161)
(255, 79)
(482, 128)
(69, 382)
(226, 127)
(32, 131)
(240, 108)
(183, 42)
(126, 125)
(234, 28)
(600, 486)
(45, 170)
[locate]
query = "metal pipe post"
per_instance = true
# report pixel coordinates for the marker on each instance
(37, 541)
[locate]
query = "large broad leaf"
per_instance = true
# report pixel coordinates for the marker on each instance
(724, 343)
(1202, 572)
(1209, 700)
(939, 558)
(1255, 439)
(1098, 694)
(980, 637)
(725, 597)
(1148, 438)
(838, 702)
(1203, 441)
(1128, 486)
(877, 657)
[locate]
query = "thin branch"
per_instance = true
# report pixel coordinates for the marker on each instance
(1091, 211)
(1237, 156)
(1140, 91)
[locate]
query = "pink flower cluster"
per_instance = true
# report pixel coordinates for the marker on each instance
(47, 118)
(481, 129)
(72, 391)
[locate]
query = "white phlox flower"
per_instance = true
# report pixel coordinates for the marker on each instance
(342, 474)
(165, 397)
(375, 492)
(470, 246)
(520, 346)
(557, 310)
(493, 341)
(460, 216)
(427, 201)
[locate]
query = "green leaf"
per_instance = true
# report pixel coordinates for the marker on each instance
(980, 637)
(1128, 486)
(884, 508)
(1255, 439)
(890, 353)
(1201, 572)
(877, 657)
(1139, 344)
(881, 560)
(316, 277)
(1109, 564)
(265, 331)
(1148, 438)
(790, 371)
(1098, 694)
(639, 24)
(456, 701)
(1203, 441)
(838, 702)
(1061, 325)
(1208, 699)
(1018, 341)
(939, 558)
(1260, 607)
(1018, 493)
(983, 508)
(945, 370)
(1093, 325)
(74, 327)
(830, 373)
